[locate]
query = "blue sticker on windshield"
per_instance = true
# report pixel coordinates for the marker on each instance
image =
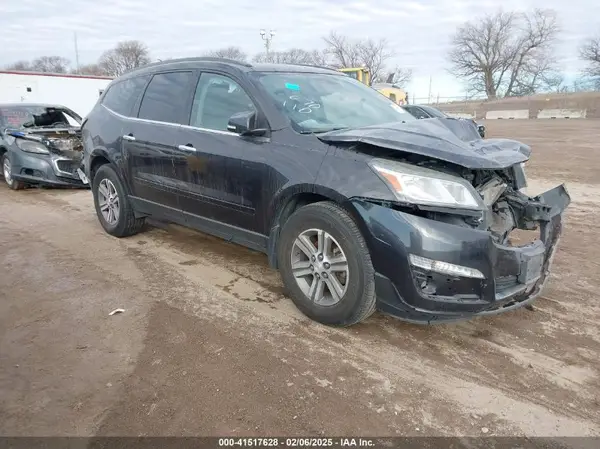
(291, 86)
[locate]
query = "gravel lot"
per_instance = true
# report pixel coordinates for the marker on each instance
(209, 345)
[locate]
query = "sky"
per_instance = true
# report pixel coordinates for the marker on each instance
(419, 31)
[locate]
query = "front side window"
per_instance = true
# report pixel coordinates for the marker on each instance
(317, 102)
(122, 95)
(217, 98)
(166, 96)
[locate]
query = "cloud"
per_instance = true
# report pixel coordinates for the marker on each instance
(419, 30)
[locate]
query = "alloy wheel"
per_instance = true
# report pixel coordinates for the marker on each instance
(108, 201)
(320, 267)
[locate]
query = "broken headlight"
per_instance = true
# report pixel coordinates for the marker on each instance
(424, 186)
(31, 146)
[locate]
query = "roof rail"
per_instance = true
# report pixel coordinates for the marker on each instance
(316, 66)
(227, 60)
(199, 58)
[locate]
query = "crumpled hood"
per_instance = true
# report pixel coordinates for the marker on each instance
(450, 140)
(35, 130)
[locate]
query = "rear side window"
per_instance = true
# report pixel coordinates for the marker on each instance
(122, 96)
(166, 97)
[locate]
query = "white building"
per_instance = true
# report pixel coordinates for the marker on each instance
(77, 92)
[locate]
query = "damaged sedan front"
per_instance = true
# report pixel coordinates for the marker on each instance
(40, 145)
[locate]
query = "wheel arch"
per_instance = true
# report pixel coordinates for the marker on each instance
(101, 156)
(294, 197)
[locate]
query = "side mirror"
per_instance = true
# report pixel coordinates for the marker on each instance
(244, 124)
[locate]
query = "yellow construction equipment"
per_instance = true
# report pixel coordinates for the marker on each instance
(390, 90)
(358, 73)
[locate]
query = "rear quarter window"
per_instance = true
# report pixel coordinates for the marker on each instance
(122, 96)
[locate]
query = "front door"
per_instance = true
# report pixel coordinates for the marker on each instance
(220, 172)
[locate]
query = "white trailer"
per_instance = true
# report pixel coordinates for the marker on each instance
(77, 92)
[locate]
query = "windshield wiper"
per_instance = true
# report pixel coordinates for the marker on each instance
(320, 131)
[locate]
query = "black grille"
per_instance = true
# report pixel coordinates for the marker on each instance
(66, 166)
(504, 282)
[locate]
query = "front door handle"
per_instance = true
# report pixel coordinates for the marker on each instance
(129, 137)
(187, 147)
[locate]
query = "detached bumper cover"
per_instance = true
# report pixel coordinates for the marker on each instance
(42, 169)
(514, 276)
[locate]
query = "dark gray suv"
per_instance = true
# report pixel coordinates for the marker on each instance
(357, 203)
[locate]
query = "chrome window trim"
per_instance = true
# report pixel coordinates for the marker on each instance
(177, 125)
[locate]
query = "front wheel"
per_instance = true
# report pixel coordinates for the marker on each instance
(326, 266)
(113, 207)
(7, 172)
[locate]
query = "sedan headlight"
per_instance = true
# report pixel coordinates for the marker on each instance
(32, 147)
(419, 185)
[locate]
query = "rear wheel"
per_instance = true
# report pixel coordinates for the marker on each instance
(113, 207)
(7, 172)
(325, 265)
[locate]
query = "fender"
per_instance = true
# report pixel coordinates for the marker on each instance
(288, 199)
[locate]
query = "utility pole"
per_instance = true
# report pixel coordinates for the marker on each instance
(429, 97)
(76, 51)
(267, 37)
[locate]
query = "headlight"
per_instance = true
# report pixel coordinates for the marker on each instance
(32, 147)
(427, 187)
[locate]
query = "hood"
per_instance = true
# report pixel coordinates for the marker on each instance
(450, 140)
(64, 141)
(41, 130)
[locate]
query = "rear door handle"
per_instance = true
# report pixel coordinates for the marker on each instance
(129, 137)
(186, 148)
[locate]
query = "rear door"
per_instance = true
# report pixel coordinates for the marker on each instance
(150, 139)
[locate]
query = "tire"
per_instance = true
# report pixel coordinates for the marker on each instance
(358, 301)
(11, 183)
(125, 223)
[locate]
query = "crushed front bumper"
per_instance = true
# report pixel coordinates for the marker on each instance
(45, 169)
(512, 276)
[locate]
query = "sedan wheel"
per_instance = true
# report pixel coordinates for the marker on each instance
(7, 169)
(8, 174)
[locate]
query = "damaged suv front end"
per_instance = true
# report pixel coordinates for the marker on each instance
(41, 145)
(441, 246)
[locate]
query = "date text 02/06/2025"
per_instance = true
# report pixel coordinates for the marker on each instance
(295, 442)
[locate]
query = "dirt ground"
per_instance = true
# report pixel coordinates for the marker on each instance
(209, 345)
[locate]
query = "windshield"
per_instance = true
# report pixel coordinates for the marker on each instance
(317, 102)
(28, 116)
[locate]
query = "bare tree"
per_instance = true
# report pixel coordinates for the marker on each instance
(374, 55)
(23, 66)
(554, 82)
(343, 51)
(127, 55)
(505, 53)
(234, 53)
(91, 69)
(397, 76)
(590, 53)
(52, 64)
